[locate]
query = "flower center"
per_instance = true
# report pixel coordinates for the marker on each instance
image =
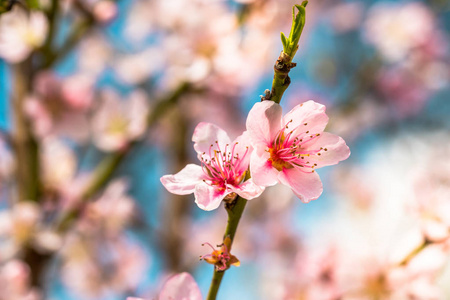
(288, 149)
(224, 166)
(277, 162)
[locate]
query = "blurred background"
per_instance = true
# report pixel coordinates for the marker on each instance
(99, 99)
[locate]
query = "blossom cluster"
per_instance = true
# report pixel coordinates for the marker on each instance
(274, 149)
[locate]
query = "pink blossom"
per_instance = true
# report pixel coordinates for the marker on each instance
(15, 282)
(179, 287)
(20, 33)
(223, 170)
(113, 210)
(105, 11)
(116, 123)
(58, 163)
(58, 106)
(389, 28)
(288, 149)
(95, 266)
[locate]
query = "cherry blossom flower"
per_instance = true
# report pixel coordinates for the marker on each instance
(58, 106)
(58, 164)
(179, 287)
(15, 282)
(221, 259)
(389, 28)
(289, 149)
(18, 226)
(94, 266)
(105, 11)
(223, 170)
(113, 210)
(118, 122)
(20, 33)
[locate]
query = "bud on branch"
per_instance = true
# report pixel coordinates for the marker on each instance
(284, 63)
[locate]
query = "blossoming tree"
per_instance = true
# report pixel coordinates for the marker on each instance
(102, 100)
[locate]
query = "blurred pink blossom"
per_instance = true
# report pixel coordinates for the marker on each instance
(58, 163)
(289, 149)
(94, 266)
(224, 168)
(105, 10)
(95, 54)
(15, 282)
(113, 210)
(403, 90)
(59, 106)
(346, 16)
(118, 122)
(18, 226)
(136, 68)
(20, 33)
(389, 28)
(179, 287)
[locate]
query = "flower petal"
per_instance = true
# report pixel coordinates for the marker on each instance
(180, 287)
(261, 169)
(208, 197)
(306, 186)
(264, 122)
(247, 190)
(234, 261)
(184, 182)
(337, 150)
(310, 113)
(207, 134)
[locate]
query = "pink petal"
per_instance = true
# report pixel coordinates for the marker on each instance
(310, 113)
(133, 298)
(208, 197)
(337, 150)
(180, 287)
(248, 189)
(206, 134)
(261, 169)
(184, 182)
(306, 186)
(264, 122)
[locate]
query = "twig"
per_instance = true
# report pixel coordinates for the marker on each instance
(234, 210)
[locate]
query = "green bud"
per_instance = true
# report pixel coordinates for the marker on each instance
(290, 45)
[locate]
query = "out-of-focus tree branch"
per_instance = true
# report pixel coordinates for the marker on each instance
(176, 209)
(25, 145)
(105, 169)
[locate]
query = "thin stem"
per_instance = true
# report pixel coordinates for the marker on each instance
(284, 64)
(414, 252)
(52, 16)
(75, 36)
(234, 210)
(100, 177)
(281, 79)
